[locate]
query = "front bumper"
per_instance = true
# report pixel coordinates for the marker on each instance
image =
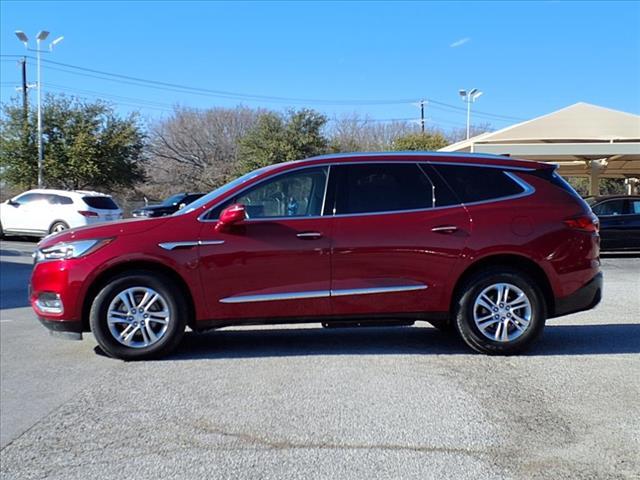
(585, 298)
(63, 329)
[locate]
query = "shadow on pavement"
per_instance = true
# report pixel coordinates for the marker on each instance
(557, 340)
(14, 281)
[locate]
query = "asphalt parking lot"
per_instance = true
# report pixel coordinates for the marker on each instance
(303, 402)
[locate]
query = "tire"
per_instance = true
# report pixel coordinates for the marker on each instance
(131, 335)
(58, 227)
(483, 329)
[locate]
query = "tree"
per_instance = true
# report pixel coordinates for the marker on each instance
(197, 149)
(458, 134)
(86, 145)
(353, 133)
(279, 138)
(420, 141)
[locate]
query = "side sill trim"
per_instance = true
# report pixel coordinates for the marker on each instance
(320, 294)
(176, 245)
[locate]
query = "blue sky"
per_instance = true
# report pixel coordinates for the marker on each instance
(529, 58)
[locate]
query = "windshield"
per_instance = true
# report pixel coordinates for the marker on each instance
(173, 199)
(223, 189)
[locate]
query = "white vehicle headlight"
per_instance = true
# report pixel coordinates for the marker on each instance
(66, 250)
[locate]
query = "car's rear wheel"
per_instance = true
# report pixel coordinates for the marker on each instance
(138, 315)
(500, 311)
(58, 227)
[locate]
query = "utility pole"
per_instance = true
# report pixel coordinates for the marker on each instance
(422, 116)
(25, 101)
(40, 37)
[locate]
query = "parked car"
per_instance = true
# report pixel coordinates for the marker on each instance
(44, 211)
(619, 217)
(169, 206)
(486, 244)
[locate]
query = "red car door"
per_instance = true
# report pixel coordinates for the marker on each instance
(276, 263)
(393, 249)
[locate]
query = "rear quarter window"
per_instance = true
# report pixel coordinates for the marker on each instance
(477, 184)
(101, 203)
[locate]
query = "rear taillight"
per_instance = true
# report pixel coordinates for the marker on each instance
(87, 213)
(587, 223)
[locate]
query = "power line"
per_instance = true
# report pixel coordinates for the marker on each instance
(131, 80)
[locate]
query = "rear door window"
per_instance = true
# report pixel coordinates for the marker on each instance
(477, 184)
(634, 207)
(382, 187)
(100, 203)
(610, 208)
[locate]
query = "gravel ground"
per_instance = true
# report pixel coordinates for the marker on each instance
(302, 402)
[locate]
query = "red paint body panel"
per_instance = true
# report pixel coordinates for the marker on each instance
(267, 257)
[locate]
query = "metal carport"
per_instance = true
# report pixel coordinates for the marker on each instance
(584, 140)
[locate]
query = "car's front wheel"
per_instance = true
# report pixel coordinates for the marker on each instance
(500, 311)
(138, 315)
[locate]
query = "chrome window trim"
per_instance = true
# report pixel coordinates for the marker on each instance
(528, 190)
(269, 297)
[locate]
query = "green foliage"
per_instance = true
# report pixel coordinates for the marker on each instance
(427, 141)
(608, 186)
(85, 146)
(280, 138)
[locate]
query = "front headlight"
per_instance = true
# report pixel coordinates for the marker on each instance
(66, 250)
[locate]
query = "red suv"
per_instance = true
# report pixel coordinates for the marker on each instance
(486, 245)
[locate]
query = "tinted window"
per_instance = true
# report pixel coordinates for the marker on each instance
(382, 187)
(610, 207)
(634, 207)
(101, 203)
(60, 200)
(443, 196)
(476, 184)
(190, 198)
(295, 194)
(174, 200)
(28, 198)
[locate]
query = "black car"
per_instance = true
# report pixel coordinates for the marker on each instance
(619, 221)
(169, 206)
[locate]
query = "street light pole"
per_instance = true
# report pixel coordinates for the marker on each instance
(469, 97)
(41, 36)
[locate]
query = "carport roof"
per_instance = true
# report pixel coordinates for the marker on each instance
(570, 137)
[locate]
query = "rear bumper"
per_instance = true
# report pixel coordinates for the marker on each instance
(585, 298)
(64, 329)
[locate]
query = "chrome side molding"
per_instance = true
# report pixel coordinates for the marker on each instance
(188, 244)
(270, 297)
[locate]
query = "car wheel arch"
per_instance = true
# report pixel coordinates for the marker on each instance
(143, 265)
(59, 220)
(509, 261)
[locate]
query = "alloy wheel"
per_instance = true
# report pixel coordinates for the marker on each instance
(502, 312)
(138, 317)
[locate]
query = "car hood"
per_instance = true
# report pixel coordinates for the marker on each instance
(104, 230)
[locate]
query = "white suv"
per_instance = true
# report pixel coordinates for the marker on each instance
(41, 212)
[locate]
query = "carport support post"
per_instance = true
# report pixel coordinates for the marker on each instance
(594, 184)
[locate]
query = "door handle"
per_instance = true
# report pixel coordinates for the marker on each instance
(309, 235)
(446, 229)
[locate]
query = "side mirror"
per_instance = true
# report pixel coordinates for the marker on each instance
(13, 203)
(231, 215)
